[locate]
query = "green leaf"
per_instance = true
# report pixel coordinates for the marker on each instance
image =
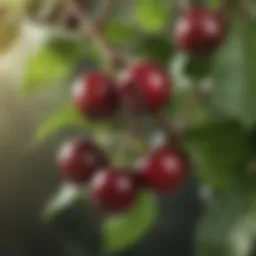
(123, 231)
(65, 198)
(152, 15)
(218, 150)
(155, 48)
(65, 117)
(52, 64)
(234, 73)
(229, 226)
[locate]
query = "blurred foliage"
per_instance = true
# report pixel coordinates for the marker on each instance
(219, 148)
(63, 118)
(64, 198)
(53, 63)
(152, 15)
(9, 29)
(197, 68)
(122, 231)
(119, 32)
(155, 48)
(229, 227)
(14, 5)
(234, 73)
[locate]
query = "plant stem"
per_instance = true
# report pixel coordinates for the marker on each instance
(90, 29)
(104, 13)
(46, 10)
(184, 5)
(171, 130)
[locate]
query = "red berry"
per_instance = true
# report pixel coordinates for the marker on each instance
(112, 190)
(199, 31)
(164, 170)
(95, 96)
(78, 159)
(148, 83)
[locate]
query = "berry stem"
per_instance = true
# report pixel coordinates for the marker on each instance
(104, 13)
(171, 130)
(46, 10)
(133, 115)
(251, 167)
(184, 5)
(88, 28)
(239, 5)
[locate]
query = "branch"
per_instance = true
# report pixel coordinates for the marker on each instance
(171, 130)
(251, 167)
(240, 6)
(104, 13)
(46, 10)
(91, 30)
(226, 5)
(184, 5)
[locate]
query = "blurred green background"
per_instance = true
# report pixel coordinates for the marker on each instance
(214, 213)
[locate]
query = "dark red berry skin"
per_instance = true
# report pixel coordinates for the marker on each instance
(79, 159)
(164, 170)
(94, 95)
(148, 83)
(199, 32)
(112, 191)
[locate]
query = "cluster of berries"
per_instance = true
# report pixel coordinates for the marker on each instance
(96, 95)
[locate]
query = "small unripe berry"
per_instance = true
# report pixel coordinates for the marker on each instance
(164, 170)
(94, 95)
(199, 31)
(79, 159)
(112, 190)
(148, 84)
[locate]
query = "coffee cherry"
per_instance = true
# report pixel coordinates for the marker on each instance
(148, 84)
(94, 95)
(164, 170)
(78, 159)
(112, 190)
(199, 31)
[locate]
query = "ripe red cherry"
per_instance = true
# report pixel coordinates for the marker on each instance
(199, 31)
(78, 159)
(164, 170)
(148, 84)
(112, 190)
(95, 96)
